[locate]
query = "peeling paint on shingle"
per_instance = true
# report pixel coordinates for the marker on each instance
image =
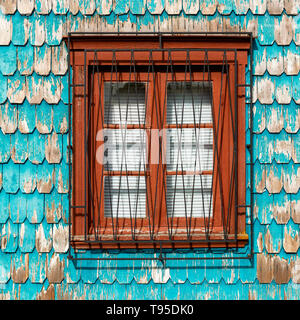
(282, 270)
(43, 6)
(37, 31)
(8, 6)
(264, 268)
(292, 180)
(42, 60)
(258, 6)
(59, 59)
(52, 149)
(158, 273)
(41, 242)
(283, 30)
(20, 273)
(291, 242)
(274, 118)
(275, 7)
(295, 270)
(5, 29)
(60, 238)
(55, 268)
(46, 294)
(8, 118)
(25, 6)
(295, 209)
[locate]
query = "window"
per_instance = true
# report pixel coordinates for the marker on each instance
(158, 142)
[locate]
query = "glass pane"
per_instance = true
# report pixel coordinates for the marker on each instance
(124, 197)
(124, 102)
(190, 149)
(124, 149)
(189, 102)
(189, 195)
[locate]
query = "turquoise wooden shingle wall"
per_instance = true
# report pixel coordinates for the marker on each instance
(33, 153)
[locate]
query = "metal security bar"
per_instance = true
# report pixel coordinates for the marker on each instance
(153, 147)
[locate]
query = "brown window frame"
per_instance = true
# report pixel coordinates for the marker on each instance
(82, 232)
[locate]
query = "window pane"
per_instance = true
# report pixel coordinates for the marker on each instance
(124, 149)
(189, 195)
(190, 149)
(124, 102)
(189, 102)
(124, 197)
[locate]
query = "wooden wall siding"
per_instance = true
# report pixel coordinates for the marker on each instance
(33, 153)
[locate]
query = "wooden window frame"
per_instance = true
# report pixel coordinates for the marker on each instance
(82, 229)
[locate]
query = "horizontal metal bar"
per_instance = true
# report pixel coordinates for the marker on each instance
(160, 50)
(76, 85)
(163, 258)
(223, 240)
(159, 33)
(243, 85)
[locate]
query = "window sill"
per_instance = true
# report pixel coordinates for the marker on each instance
(142, 240)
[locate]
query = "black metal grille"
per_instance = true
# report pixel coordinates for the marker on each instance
(196, 194)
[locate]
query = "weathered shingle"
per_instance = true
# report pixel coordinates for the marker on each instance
(45, 177)
(291, 240)
(37, 32)
(27, 236)
(5, 29)
(25, 6)
(36, 147)
(3, 89)
(42, 60)
(52, 89)
(275, 59)
(20, 29)
(35, 211)
(16, 88)
(5, 208)
(37, 267)
(60, 6)
(8, 118)
(19, 147)
(43, 6)
(28, 177)
(54, 29)
(8, 6)
(25, 59)
(10, 238)
(274, 177)
(59, 62)
(8, 59)
(26, 117)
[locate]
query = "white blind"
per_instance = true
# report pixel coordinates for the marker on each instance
(189, 195)
(124, 196)
(125, 149)
(189, 102)
(124, 102)
(189, 149)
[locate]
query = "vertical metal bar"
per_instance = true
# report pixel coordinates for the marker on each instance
(108, 166)
(101, 112)
(92, 192)
(251, 147)
(235, 145)
(69, 142)
(85, 150)
(146, 164)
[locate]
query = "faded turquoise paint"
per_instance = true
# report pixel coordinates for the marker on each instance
(34, 172)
